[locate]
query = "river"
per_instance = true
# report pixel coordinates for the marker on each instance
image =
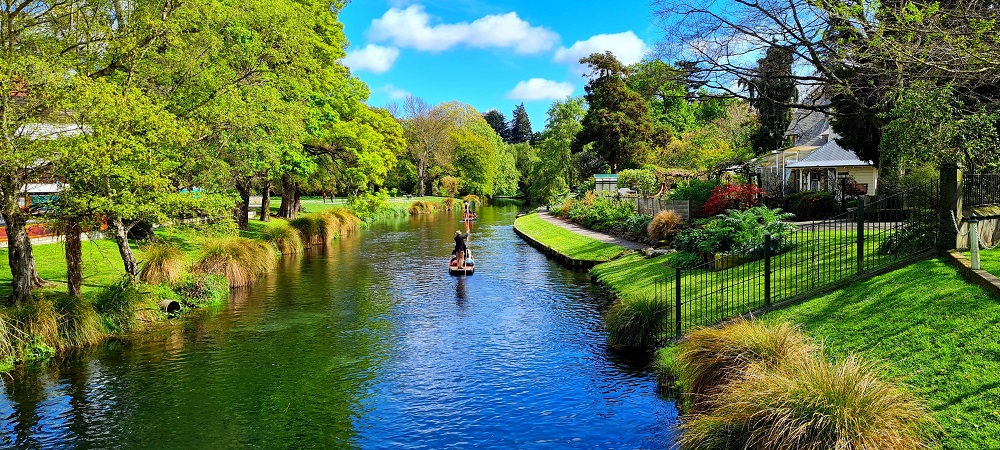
(368, 344)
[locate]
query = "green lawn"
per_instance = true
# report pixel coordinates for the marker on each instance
(102, 265)
(566, 242)
(989, 260)
(929, 329)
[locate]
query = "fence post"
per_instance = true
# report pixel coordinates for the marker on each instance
(767, 270)
(861, 235)
(974, 241)
(677, 301)
(951, 205)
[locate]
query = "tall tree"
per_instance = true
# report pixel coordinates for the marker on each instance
(427, 136)
(617, 122)
(772, 89)
(520, 126)
(497, 121)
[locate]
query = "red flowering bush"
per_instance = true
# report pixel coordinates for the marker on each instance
(732, 196)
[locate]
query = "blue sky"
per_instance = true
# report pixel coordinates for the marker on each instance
(489, 54)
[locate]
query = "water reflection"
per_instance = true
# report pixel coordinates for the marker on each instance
(361, 345)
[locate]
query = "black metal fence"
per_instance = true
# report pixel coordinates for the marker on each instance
(981, 189)
(866, 239)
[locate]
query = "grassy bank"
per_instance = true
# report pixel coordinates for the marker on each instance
(567, 243)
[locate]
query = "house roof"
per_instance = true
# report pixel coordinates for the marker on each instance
(810, 128)
(50, 131)
(829, 155)
(42, 188)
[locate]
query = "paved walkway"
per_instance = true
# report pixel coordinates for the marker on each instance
(591, 233)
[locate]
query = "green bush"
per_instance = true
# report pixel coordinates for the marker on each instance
(684, 259)
(199, 289)
(739, 232)
(118, 303)
(694, 190)
(812, 205)
(636, 322)
(637, 223)
(642, 180)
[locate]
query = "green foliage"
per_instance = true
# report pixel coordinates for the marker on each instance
(198, 289)
(810, 205)
(366, 204)
(772, 88)
(520, 126)
(642, 180)
(739, 232)
(118, 303)
(80, 325)
(694, 189)
(450, 186)
(684, 259)
(636, 322)
(596, 212)
(637, 224)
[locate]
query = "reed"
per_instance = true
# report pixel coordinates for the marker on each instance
(636, 322)
(118, 303)
(79, 324)
(314, 229)
(162, 263)
(239, 260)
(708, 359)
(286, 238)
(811, 404)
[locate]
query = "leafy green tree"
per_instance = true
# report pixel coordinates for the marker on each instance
(618, 122)
(520, 126)
(664, 89)
(563, 124)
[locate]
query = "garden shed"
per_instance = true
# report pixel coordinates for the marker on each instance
(606, 182)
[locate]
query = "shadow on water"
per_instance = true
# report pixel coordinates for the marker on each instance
(366, 344)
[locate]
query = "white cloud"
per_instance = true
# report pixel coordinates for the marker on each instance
(541, 89)
(372, 58)
(627, 47)
(411, 27)
(394, 92)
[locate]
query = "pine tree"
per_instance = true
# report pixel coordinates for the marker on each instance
(497, 121)
(520, 126)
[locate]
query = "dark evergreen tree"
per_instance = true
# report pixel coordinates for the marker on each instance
(520, 126)
(497, 121)
(772, 90)
(618, 121)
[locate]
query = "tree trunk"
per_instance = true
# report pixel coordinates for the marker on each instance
(287, 208)
(74, 258)
(243, 208)
(297, 204)
(121, 237)
(421, 170)
(265, 202)
(20, 257)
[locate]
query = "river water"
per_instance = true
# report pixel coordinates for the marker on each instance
(369, 344)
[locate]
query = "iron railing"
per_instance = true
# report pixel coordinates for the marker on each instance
(868, 238)
(981, 189)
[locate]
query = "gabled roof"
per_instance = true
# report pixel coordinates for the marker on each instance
(829, 155)
(810, 128)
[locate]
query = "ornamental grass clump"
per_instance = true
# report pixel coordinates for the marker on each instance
(79, 323)
(811, 404)
(284, 237)
(162, 263)
(118, 304)
(347, 222)
(473, 200)
(239, 260)
(39, 319)
(664, 224)
(636, 322)
(309, 226)
(709, 359)
(449, 203)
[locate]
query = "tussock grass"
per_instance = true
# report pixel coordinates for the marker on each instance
(79, 325)
(811, 404)
(449, 203)
(664, 224)
(348, 222)
(473, 200)
(636, 322)
(162, 263)
(118, 304)
(239, 260)
(709, 359)
(312, 229)
(39, 319)
(285, 237)
(420, 207)
(319, 229)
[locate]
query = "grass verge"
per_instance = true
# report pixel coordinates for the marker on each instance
(566, 242)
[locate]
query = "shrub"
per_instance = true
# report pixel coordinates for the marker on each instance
(664, 224)
(684, 259)
(162, 263)
(739, 232)
(239, 260)
(732, 196)
(450, 186)
(636, 322)
(810, 205)
(709, 359)
(694, 190)
(285, 237)
(200, 289)
(367, 204)
(642, 180)
(637, 223)
(118, 303)
(811, 404)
